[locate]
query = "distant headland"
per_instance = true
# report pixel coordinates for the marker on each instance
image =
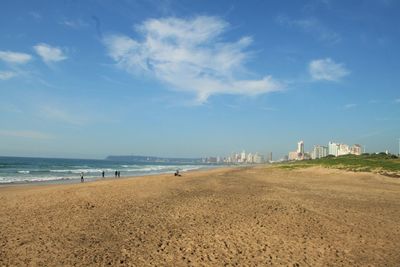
(152, 159)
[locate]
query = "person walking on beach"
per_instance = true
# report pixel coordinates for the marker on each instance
(82, 180)
(119, 174)
(102, 174)
(116, 173)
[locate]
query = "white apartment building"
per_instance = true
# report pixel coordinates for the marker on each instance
(356, 150)
(249, 158)
(319, 152)
(343, 150)
(243, 156)
(337, 149)
(257, 158)
(300, 147)
(293, 155)
(333, 149)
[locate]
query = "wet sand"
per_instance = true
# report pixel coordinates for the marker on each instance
(225, 217)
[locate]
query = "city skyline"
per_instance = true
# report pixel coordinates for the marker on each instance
(178, 79)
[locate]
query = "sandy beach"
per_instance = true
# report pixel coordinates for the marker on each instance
(222, 217)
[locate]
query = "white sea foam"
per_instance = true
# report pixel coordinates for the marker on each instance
(25, 172)
(163, 168)
(132, 166)
(191, 168)
(5, 180)
(44, 179)
(87, 171)
(82, 170)
(60, 170)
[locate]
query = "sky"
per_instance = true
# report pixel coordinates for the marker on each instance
(87, 79)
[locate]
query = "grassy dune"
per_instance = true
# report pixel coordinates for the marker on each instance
(388, 165)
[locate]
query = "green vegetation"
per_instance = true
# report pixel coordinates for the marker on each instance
(379, 163)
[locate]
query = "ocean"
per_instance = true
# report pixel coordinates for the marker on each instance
(27, 170)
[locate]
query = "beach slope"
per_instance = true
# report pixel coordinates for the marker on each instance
(241, 216)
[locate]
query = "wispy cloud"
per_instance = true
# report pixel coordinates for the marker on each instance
(189, 56)
(15, 57)
(61, 115)
(349, 106)
(49, 53)
(311, 26)
(5, 75)
(35, 15)
(397, 100)
(74, 23)
(26, 134)
(327, 69)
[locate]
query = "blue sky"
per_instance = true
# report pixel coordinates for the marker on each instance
(197, 78)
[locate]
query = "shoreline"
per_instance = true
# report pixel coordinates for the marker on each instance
(15, 170)
(107, 178)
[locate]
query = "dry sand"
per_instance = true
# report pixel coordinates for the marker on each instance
(245, 217)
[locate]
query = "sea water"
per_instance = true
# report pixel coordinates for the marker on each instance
(26, 170)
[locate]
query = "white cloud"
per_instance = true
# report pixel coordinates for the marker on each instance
(49, 53)
(15, 57)
(349, 106)
(5, 75)
(311, 26)
(327, 69)
(35, 15)
(74, 23)
(189, 55)
(26, 134)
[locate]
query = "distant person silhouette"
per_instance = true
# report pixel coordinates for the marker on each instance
(177, 173)
(102, 174)
(119, 174)
(116, 174)
(82, 180)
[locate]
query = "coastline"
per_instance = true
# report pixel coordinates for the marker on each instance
(236, 216)
(91, 179)
(20, 170)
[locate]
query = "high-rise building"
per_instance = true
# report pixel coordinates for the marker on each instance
(257, 158)
(337, 149)
(333, 149)
(249, 158)
(356, 149)
(293, 155)
(299, 153)
(343, 150)
(319, 152)
(300, 147)
(243, 156)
